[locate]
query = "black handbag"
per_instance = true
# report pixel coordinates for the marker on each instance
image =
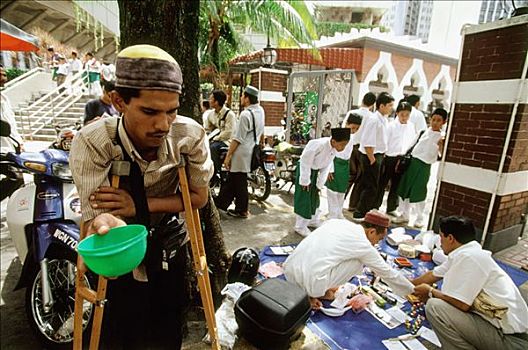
(256, 158)
(164, 239)
(405, 160)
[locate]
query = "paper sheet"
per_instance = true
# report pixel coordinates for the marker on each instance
(397, 314)
(430, 335)
(414, 344)
(382, 316)
(284, 250)
(393, 345)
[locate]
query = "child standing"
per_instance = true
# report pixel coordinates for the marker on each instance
(413, 184)
(311, 174)
(400, 135)
(339, 175)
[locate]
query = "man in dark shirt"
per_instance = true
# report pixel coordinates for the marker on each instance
(95, 108)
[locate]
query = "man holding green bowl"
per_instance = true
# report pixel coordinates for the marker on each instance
(145, 307)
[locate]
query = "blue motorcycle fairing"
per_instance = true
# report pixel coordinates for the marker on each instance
(46, 157)
(66, 234)
(48, 200)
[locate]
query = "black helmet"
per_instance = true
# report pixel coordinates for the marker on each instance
(244, 266)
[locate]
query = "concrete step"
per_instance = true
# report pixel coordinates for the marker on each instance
(35, 119)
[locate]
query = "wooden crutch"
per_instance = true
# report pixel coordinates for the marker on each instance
(192, 218)
(82, 292)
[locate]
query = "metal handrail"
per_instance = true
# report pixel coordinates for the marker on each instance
(78, 80)
(14, 82)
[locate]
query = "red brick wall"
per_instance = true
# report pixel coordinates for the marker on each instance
(477, 134)
(507, 210)
(274, 112)
(494, 54)
(458, 200)
(270, 81)
(517, 156)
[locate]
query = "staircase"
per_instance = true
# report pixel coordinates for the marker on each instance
(28, 116)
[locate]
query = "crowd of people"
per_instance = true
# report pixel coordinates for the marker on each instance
(95, 72)
(361, 157)
(378, 153)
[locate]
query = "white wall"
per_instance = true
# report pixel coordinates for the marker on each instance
(105, 11)
(447, 21)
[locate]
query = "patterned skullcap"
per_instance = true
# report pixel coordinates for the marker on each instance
(377, 218)
(148, 67)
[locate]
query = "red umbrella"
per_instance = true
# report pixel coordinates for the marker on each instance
(15, 39)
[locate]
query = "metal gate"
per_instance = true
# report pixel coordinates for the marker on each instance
(317, 100)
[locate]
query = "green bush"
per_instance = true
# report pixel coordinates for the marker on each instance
(330, 28)
(13, 73)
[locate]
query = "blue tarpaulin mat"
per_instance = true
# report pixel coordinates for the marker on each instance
(362, 331)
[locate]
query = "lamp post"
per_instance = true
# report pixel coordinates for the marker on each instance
(269, 55)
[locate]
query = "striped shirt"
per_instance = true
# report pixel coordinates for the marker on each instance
(93, 151)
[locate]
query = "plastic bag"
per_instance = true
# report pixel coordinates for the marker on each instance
(226, 325)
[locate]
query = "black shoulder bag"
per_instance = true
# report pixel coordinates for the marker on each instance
(164, 239)
(255, 154)
(405, 160)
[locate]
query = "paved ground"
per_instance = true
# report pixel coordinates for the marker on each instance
(270, 223)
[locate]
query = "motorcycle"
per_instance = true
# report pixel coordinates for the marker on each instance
(65, 136)
(259, 181)
(43, 218)
(286, 158)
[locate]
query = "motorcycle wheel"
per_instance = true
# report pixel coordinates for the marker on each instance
(259, 183)
(55, 328)
(214, 185)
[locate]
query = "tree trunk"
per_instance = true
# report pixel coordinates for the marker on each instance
(172, 26)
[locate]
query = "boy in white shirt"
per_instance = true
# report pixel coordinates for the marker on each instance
(365, 111)
(413, 184)
(471, 278)
(336, 252)
(417, 117)
(310, 177)
(338, 178)
(400, 135)
(372, 146)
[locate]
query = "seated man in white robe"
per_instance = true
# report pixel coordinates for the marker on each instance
(337, 251)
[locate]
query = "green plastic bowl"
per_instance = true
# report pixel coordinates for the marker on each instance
(116, 253)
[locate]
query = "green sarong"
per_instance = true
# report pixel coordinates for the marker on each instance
(54, 73)
(341, 176)
(93, 77)
(413, 184)
(305, 203)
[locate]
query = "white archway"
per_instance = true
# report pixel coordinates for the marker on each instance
(383, 65)
(417, 73)
(443, 78)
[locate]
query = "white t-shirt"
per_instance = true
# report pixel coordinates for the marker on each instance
(318, 155)
(427, 147)
(374, 134)
(75, 65)
(470, 269)
(399, 137)
(366, 114)
(418, 119)
(334, 253)
(63, 69)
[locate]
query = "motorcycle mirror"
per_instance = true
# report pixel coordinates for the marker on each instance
(5, 128)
